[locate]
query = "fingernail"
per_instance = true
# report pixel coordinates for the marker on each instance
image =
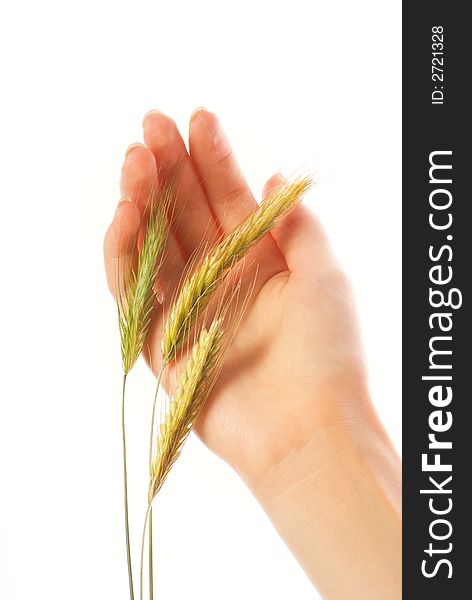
(123, 200)
(161, 131)
(197, 110)
(151, 112)
(218, 143)
(136, 145)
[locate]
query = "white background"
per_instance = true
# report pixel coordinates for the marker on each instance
(297, 84)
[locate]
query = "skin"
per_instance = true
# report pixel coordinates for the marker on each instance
(291, 411)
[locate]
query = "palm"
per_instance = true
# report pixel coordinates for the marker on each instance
(290, 350)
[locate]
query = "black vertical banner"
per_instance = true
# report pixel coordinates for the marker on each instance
(437, 269)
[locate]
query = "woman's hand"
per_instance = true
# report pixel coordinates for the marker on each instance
(291, 410)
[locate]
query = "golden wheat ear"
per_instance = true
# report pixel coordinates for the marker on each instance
(135, 305)
(200, 286)
(196, 381)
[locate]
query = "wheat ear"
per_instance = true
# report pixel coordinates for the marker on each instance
(199, 287)
(195, 384)
(136, 304)
(196, 381)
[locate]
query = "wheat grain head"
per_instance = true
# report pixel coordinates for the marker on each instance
(200, 286)
(136, 303)
(196, 381)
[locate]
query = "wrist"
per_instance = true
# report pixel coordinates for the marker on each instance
(336, 503)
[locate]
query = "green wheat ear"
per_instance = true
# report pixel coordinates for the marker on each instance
(135, 305)
(137, 302)
(199, 287)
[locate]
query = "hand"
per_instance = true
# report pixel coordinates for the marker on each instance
(291, 405)
(296, 362)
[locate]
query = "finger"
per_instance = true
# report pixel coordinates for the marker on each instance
(120, 245)
(193, 221)
(138, 176)
(139, 182)
(303, 242)
(227, 191)
(300, 236)
(272, 184)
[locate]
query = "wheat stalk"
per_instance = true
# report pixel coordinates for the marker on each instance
(135, 306)
(223, 308)
(199, 287)
(196, 382)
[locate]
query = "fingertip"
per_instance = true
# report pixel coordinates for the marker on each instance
(196, 111)
(207, 140)
(127, 215)
(159, 129)
(132, 146)
(150, 113)
(123, 231)
(273, 183)
(139, 160)
(138, 174)
(205, 123)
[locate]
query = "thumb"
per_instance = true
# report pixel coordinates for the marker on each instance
(300, 236)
